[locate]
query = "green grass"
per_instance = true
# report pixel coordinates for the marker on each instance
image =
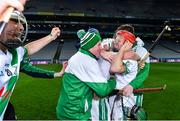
(163, 105)
(36, 98)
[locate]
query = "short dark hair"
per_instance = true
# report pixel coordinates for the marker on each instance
(126, 27)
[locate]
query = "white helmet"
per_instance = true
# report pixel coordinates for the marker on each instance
(19, 17)
(108, 42)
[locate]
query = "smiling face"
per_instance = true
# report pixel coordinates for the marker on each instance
(12, 34)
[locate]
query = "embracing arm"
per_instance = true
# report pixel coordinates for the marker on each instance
(117, 65)
(141, 77)
(131, 55)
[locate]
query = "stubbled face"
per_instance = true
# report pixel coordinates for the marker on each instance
(96, 50)
(12, 32)
(119, 42)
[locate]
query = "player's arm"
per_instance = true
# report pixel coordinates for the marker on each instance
(141, 77)
(61, 73)
(93, 77)
(127, 55)
(143, 72)
(131, 55)
(29, 69)
(117, 65)
(103, 89)
(108, 55)
(36, 45)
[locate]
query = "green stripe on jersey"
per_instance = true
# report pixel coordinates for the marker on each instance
(103, 111)
(14, 56)
(5, 98)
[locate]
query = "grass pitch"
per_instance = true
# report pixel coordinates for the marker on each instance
(36, 98)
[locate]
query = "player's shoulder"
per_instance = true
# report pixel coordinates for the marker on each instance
(141, 48)
(82, 60)
(21, 52)
(141, 51)
(20, 49)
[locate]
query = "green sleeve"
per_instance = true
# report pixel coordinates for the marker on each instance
(141, 77)
(29, 69)
(103, 89)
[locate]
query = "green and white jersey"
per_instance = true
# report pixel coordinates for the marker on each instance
(142, 73)
(10, 65)
(9, 73)
(125, 78)
(100, 107)
(141, 51)
(105, 67)
(82, 78)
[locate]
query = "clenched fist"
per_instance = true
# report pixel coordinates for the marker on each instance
(55, 32)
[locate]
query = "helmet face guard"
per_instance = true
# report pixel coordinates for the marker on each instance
(19, 18)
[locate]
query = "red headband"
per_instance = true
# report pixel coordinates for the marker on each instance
(127, 35)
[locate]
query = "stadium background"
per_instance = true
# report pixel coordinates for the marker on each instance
(37, 98)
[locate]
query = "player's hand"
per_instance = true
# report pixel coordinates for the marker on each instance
(95, 97)
(126, 46)
(141, 64)
(17, 4)
(127, 90)
(61, 73)
(109, 56)
(65, 63)
(55, 32)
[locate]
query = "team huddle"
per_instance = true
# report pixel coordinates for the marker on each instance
(96, 70)
(93, 74)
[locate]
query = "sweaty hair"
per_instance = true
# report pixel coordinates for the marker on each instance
(126, 27)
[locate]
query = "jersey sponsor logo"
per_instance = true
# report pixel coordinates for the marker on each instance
(9, 73)
(1, 73)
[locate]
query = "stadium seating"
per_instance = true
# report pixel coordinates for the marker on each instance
(69, 48)
(46, 53)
